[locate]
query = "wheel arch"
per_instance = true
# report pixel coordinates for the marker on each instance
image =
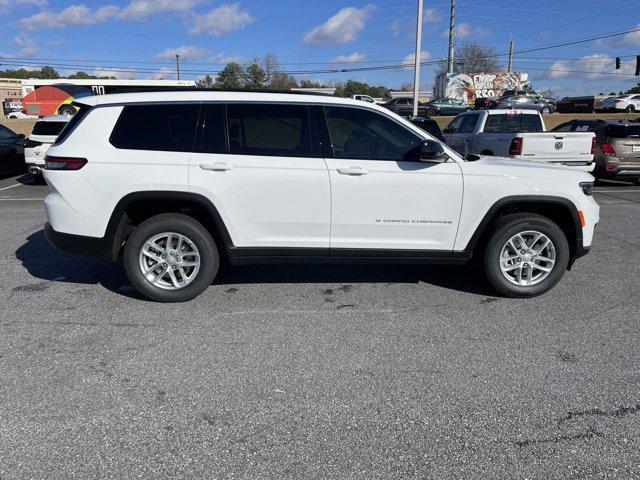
(136, 207)
(558, 209)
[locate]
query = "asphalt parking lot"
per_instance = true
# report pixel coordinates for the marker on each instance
(318, 371)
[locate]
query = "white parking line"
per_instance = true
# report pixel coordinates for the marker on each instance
(11, 186)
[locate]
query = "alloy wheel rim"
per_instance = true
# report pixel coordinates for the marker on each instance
(169, 260)
(527, 258)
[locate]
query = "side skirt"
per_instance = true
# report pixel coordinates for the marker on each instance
(269, 255)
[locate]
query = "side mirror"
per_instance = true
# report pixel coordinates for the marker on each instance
(432, 151)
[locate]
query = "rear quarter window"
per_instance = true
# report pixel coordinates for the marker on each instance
(166, 127)
(48, 128)
(512, 123)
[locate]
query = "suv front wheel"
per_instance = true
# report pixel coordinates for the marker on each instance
(171, 258)
(526, 255)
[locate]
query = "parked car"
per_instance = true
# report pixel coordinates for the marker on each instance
(404, 106)
(447, 106)
(368, 98)
(617, 154)
(529, 93)
(11, 150)
(624, 103)
(522, 102)
(605, 104)
(180, 179)
(429, 125)
(19, 114)
(518, 134)
(44, 134)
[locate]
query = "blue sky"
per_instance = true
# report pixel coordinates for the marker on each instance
(144, 35)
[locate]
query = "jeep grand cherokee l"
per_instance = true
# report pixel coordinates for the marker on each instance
(175, 181)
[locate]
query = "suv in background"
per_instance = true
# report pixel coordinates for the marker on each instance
(617, 154)
(179, 180)
(44, 133)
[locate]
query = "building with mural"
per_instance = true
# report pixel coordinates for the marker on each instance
(466, 87)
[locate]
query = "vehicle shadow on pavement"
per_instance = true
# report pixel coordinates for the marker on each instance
(43, 261)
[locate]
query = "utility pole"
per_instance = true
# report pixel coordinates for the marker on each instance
(452, 26)
(178, 66)
(416, 71)
(510, 54)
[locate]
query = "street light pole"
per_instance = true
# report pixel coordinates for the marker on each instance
(416, 71)
(178, 66)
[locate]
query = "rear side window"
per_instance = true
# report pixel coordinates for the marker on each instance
(269, 129)
(168, 127)
(511, 123)
(48, 128)
(623, 131)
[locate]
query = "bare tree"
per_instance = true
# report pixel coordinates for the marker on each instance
(276, 78)
(472, 58)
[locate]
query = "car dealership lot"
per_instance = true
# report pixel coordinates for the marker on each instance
(318, 371)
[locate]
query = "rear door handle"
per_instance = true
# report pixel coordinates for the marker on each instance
(216, 167)
(353, 171)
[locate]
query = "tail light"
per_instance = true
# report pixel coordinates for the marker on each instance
(64, 163)
(593, 145)
(618, 101)
(607, 148)
(516, 146)
(31, 143)
(499, 102)
(610, 167)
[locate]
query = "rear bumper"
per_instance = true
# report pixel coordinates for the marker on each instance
(95, 247)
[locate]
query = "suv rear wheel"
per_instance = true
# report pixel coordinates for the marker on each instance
(526, 255)
(171, 258)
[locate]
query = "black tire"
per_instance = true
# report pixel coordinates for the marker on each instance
(630, 109)
(504, 229)
(431, 113)
(487, 153)
(545, 111)
(468, 109)
(636, 181)
(66, 110)
(181, 224)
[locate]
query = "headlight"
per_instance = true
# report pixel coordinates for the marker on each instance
(587, 188)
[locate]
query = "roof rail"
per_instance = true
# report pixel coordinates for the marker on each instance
(244, 90)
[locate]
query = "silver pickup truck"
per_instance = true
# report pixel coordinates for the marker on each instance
(519, 134)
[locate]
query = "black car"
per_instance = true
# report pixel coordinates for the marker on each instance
(404, 106)
(11, 151)
(429, 125)
(447, 106)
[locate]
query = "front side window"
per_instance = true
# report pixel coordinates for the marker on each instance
(469, 123)
(454, 124)
(168, 127)
(269, 129)
(363, 134)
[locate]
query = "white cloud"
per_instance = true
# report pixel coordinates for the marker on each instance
(464, 30)
(71, 16)
(164, 73)
(431, 15)
(592, 67)
(224, 58)
(395, 28)
(140, 10)
(354, 57)
(342, 27)
(186, 52)
(219, 21)
(123, 74)
(632, 38)
(27, 46)
(8, 5)
(411, 58)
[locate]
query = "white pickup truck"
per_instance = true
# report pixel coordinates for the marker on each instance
(519, 134)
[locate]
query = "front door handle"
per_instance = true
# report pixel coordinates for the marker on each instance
(216, 167)
(353, 171)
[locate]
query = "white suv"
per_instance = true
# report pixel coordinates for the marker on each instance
(176, 181)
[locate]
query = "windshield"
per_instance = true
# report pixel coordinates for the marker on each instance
(623, 131)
